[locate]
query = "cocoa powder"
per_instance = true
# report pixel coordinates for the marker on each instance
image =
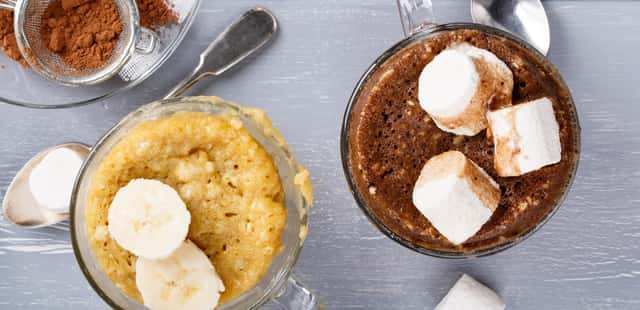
(82, 33)
(153, 13)
(8, 38)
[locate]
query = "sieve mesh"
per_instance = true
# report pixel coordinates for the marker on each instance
(51, 65)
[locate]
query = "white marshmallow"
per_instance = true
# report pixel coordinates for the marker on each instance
(469, 294)
(526, 137)
(447, 84)
(455, 195)
(502, 78)
(485, 55)
(458, 85)
(51, 181)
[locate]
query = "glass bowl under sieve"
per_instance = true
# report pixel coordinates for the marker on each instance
(27, 26)
(26, 88)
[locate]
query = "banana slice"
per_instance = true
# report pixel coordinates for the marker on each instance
(184, 280)
(148, 218)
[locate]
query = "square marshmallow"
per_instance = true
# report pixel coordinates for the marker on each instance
(456, 195)
(526, 137)
(469, 294)
(457, 87)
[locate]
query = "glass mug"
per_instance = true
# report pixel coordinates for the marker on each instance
(278, 284)
(417, 22)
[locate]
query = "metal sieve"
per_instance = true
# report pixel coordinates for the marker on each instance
(27, 23)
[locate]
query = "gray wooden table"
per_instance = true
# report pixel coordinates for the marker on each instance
(586, 257)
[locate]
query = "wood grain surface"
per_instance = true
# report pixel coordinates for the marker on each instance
(586, 257)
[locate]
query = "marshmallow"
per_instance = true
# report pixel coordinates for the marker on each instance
(455, 195)
(460, 84)
(526, 137)
(469, 294)
(51, 181)
(502, 77)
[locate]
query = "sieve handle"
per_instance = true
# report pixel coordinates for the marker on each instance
(8, 5)
(246, 35)
(146, 41)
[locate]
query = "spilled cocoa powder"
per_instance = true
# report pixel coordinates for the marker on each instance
(83, 33)
(8, 38)
(153, 13)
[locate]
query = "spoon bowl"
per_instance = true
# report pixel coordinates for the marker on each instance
(524, 18)
(19, 207)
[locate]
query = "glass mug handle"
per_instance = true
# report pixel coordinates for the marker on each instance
(415, 15)
(294, 296)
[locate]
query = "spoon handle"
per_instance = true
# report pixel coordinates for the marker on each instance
(246, 35)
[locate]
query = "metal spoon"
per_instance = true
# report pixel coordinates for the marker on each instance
(249, 33)
(246, 35)
(20, 207)
(524, 18)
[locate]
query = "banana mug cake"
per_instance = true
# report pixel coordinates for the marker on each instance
(186, 209)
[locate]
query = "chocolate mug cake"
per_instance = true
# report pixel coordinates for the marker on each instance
(388, 138)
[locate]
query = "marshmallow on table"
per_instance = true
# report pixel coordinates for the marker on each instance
(460, 84)
(469, 294)
(526, 137)
(455, 195)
